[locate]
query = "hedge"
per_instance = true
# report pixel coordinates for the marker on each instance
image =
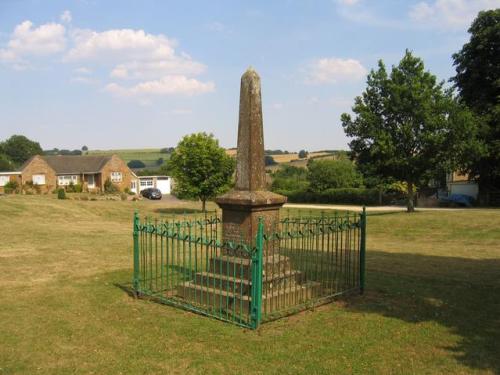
(360, 196)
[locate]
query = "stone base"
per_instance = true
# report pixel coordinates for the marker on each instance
(226, 285)
(241, 211)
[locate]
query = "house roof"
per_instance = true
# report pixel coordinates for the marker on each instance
(67, 164)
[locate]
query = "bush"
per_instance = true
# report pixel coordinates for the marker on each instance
(333, 174)
(123, 196)
(359, 196)
(74, 188)
(109, 187)
(303, 154)
(290, 178)
(11, 187)
(136, 164)
(61, 194)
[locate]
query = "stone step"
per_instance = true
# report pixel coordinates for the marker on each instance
(235, 303)
(226, 264)
(233, 282)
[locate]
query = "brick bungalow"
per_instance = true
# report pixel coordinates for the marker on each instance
(51, 172)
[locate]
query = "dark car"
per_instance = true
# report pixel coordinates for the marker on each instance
(151, 193)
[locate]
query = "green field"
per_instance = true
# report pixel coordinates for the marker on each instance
(148, 156)
(432, 303)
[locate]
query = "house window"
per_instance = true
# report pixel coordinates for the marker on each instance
(116, 176)
(38, 179)
(147, 182)
(4, 180)
(66, 180)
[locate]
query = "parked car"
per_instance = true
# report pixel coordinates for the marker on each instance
(151, 193)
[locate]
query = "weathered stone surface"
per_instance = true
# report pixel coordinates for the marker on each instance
(243, 206)
(250, 169)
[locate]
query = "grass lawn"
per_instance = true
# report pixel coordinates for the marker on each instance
(432, 304)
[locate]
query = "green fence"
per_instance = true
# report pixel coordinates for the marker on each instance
(301, 263)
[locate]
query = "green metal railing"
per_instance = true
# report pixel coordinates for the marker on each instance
(301, 263)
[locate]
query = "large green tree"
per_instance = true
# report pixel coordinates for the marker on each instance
(333, 174)
(200, 167)
(406, 126)
(19, 148)
(478, 82)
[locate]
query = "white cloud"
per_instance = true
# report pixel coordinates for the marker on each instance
(168, 85)
(27, 40)
(85, 80)
(449, 14)
(119, 43)
(149, 62)
(331, 70)
(66, 16)
(181, 111)
(83, 70)
(348, 2)
(134, 53)
(119, 72)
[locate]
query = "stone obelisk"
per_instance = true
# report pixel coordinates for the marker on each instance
(249, 200)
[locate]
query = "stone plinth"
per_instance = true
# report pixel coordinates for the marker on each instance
(241, 211)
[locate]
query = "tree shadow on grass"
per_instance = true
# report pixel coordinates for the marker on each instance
(179, 211)
(458, 293)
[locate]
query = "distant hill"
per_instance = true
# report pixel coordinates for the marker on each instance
(149, 156)
(293, 158)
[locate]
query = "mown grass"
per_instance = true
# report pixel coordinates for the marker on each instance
(431, 305)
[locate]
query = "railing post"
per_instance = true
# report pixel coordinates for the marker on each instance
(136, 282)
(256, 312)
(362, 252)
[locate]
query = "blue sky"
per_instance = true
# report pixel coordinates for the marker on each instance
(133, 74)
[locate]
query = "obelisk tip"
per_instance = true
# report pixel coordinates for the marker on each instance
(250, 72)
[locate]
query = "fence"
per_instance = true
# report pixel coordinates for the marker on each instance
(305, 261)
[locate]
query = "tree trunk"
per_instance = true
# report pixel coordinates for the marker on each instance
(203, 205)
(411, 195)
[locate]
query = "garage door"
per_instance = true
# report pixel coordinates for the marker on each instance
(163, 183)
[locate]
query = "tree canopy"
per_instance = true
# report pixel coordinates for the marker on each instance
(477, 79)
(201, 168)
(289, 177)
(303, 154)
(333, 174)
(136, 164)
(18, 149)
(269, 160)
(406, 126)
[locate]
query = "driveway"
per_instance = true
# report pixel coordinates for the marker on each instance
(370, 209)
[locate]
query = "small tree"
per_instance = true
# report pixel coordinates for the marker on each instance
(333, 174)
(85, 148)
(303, 154)
(406, 126)
(269, 160)
(61, 194)
(136, 164)
(201, 169)
(19, 148)
(109, 187)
